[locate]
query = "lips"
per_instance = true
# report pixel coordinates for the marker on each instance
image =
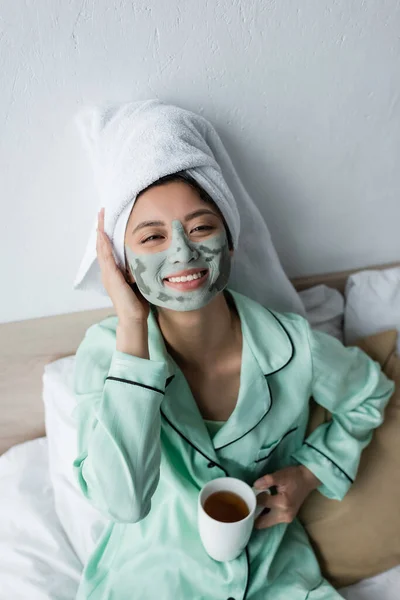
(188, 284)
(185, 273)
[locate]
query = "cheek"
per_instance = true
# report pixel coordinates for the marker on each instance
(131, 270)
(215, 260)
(148, 268)
(214, 265)
(150, 271)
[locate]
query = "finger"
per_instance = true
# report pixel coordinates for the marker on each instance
(101, 244)
(274, 517)
(100, 219)
(106, 251)
(266, 481)
(100, 228)
(277, 502)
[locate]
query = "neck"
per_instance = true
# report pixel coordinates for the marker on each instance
(198, 338)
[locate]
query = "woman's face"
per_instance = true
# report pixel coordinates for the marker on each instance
(176, 247)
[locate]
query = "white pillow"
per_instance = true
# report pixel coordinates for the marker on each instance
(82, 523)
(372, 303)
(324, 309)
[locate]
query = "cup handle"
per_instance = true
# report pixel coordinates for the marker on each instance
(259, 509)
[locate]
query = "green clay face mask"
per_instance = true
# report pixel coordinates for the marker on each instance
(209, 263)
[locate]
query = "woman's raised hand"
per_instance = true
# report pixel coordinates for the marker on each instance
(132, 308)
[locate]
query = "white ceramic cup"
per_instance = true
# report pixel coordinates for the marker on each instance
(226, 541)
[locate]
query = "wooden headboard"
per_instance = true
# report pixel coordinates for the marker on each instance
(27, 346)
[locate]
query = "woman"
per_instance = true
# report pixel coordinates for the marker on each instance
(192, 381)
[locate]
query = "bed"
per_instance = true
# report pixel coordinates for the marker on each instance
(38, 561)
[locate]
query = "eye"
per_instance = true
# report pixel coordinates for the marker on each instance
(151, 238)
(202, 228)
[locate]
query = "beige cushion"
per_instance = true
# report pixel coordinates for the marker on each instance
(359, 536)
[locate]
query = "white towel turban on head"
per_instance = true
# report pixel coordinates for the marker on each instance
(134, 144)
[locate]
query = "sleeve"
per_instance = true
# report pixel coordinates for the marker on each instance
(353, 388)
(118, 423)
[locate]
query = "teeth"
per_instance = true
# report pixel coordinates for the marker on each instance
(183, 279)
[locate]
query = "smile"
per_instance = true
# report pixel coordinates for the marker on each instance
(192, 279)
(189, 277)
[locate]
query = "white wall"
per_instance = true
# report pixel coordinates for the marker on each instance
(305, 95)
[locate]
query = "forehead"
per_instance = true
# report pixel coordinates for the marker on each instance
(167, 202)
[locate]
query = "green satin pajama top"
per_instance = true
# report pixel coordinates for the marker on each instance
(144, 452)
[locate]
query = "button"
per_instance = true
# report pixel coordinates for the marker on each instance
(230, 598)
(210, 465)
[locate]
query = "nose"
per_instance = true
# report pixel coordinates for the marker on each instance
(181, 250)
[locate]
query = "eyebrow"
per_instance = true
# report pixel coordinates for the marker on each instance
(188, 217)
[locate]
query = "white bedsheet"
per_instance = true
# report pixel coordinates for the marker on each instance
(36, 560)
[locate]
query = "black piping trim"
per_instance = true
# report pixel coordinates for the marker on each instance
(169, 380)
(314, 588)
(266, 376)
(278, 444)
(227, 474)
(248, 573)
(291, 343)
(270, 393)
(217, 465)
(263, 417)
(147, 387)
(332, 461)
(193, 446)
